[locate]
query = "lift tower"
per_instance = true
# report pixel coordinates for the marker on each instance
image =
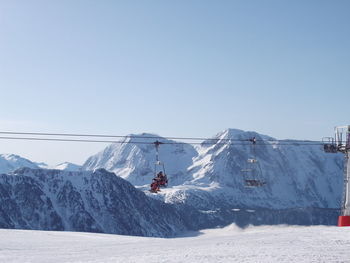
(341, 143)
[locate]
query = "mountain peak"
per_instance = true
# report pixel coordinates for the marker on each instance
(11, 157)
(11, 162)
(67, 166)
(237, 134)
(95, 201)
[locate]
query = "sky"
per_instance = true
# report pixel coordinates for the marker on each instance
(182, 68)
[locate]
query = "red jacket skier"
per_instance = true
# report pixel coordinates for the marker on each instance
(155, 186)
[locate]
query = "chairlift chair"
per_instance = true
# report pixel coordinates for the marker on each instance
(329, 145)
(252, 173)
(159, 166)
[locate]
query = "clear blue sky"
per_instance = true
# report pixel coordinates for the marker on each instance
(175, 68)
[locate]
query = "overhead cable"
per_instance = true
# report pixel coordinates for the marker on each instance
(278, 143)
(204, 140)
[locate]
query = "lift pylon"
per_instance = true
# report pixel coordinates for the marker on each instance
(341, 143)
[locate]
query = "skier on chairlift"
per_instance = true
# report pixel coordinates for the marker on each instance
(162, 178)
(155, 186)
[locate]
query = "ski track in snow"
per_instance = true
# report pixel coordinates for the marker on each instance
(229, 244)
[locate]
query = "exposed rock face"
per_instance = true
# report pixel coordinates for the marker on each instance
(82, 201)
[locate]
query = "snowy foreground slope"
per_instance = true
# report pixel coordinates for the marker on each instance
(230, 244)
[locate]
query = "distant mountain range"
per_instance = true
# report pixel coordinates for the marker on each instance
(11, 162)
(206, 185)
(95, 201)
(297, 174)
(65, 166)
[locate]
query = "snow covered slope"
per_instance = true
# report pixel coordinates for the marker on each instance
(298, 174)
(95, 201)
(11, 162)
(230, 244)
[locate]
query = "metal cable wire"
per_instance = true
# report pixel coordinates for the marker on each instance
(228, 142)
(204, 140)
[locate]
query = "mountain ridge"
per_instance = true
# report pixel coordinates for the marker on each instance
(207, 186)
(95, 201)
(298, 173)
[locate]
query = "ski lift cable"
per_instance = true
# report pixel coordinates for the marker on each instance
(280, 143)
(63, 140)
(204, 140)
(84, 140)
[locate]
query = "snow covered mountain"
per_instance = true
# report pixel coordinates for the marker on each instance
(206, 187)
(134, 159)
(95, 201)
(297, 174)
(11, 162)
(67, 166)
(209, 177)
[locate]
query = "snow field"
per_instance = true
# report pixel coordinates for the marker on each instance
(229, 244)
